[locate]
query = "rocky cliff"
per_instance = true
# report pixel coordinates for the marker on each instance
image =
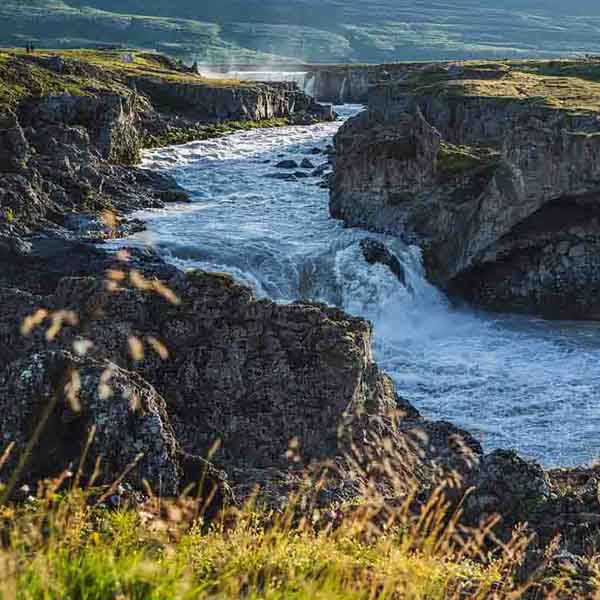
(72, 126)
(494, 169)
(352, 83)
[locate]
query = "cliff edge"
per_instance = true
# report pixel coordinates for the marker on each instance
(494, 169)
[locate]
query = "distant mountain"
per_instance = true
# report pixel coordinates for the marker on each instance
(312, 30)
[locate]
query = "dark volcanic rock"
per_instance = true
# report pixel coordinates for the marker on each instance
(131, 424)
(283, 371)
(306, 164)
(377, 253)
(287, 164)
(501, 193)
(509, 486)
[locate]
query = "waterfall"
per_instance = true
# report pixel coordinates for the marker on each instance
(343, 90)
(305, 81)
(511, 380)
(309, 84)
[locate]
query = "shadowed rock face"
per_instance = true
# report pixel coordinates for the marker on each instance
(501, 192)
(227, 103)
(252, 374)
(129, 419)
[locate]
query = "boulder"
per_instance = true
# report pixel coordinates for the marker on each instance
(509, 486)
(251, 373)
(287, 164)
(376, 252)
(133, 435)
(306, 164)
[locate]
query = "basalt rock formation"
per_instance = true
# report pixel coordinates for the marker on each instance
(494, 170)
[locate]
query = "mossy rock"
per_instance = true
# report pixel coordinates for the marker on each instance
(470, 169)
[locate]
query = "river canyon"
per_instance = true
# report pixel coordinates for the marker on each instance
(512, 381)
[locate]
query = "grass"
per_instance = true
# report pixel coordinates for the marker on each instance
(92, 72)
(200, 131)
(60, 546)
(570, 85)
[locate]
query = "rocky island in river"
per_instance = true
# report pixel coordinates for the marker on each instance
(493, 168)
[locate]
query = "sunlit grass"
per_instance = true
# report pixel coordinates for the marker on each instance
(63, 547)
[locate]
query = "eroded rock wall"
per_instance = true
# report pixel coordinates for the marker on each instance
(467, 177)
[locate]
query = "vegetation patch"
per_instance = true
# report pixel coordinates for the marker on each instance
(87, 72)
(453, 161)
(198, 131)
(69, 546)
(469, 168)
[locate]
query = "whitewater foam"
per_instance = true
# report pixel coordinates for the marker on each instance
(513, 381)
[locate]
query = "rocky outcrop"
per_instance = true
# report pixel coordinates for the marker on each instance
(222, 102)
(351, 84)
(500, 191)
(376, 252)
(253, 374)
(55, 405)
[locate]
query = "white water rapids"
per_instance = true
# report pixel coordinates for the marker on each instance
(511, 381)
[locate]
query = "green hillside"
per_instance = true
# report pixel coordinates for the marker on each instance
(58, 24)
(311, 30)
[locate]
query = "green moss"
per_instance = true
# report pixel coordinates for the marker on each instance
(470, 168)
(453, 160)
(9, 215)
(88, 72)
(199, 132)
(572, 86)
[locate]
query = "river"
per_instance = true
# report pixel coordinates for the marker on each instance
(511, 381)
